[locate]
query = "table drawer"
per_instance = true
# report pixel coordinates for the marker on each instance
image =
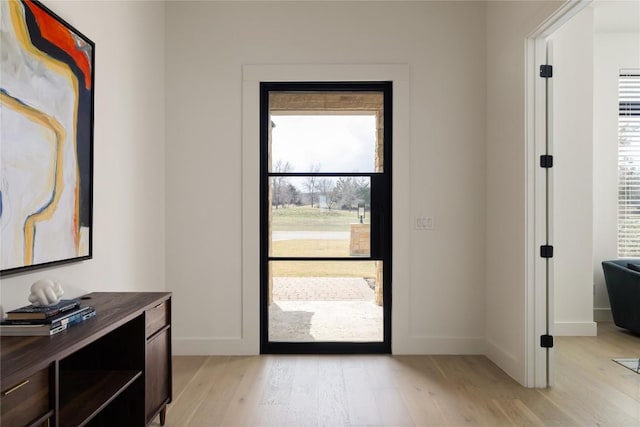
(156, 318)
(25, 401)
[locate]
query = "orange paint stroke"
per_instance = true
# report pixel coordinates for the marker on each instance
(59, 35)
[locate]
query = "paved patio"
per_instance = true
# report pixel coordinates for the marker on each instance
(324, 309)
(321, 289)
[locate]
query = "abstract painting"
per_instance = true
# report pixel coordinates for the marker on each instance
(46, 138)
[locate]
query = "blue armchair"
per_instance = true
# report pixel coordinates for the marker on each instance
(623, 286)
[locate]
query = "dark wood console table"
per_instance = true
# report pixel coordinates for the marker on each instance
(111, 370)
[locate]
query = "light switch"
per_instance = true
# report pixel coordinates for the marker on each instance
(424, 223)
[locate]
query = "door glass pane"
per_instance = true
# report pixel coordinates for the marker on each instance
(324, 143)
(326, 131)
(320, 216)
(330, 301)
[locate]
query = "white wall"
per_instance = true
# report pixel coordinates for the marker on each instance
(129, 154)
(616, 46)
(507, 26)
(572, 194)
(443, 45)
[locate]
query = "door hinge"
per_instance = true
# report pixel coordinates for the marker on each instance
(546, 341)
(546, 161)
(546, 71)
(546, 251)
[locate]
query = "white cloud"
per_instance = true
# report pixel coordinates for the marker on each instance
(339, 143)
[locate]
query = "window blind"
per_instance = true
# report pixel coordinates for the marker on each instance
(629, 164)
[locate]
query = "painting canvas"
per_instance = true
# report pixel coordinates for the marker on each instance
(46, 138)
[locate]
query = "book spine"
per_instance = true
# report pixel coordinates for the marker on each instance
(40, 312)
(31, 315)
(72, 319)
(81, 317)
(57, 329)
(62, 309)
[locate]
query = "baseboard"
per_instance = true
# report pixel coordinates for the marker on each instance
(575, 329)
(213, 346)
(411, 345)
(602, 315)
(438, 345)
(506, 361)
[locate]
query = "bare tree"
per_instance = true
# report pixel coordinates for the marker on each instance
(311, 182)
(325, 186)
(345, 192)
(349, 192)
(362, 190)
(334, 197)
(280, 184)
(293, 195)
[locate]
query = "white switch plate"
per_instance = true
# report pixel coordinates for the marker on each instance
(424, 223)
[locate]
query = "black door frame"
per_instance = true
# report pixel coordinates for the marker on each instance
(380, 233)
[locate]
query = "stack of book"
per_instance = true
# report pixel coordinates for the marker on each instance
(43, 321)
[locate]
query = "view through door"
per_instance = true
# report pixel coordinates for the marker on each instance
(325, 217)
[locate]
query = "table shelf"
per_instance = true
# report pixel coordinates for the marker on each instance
(85, 393)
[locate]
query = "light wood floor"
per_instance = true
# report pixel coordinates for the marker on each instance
(589, 389)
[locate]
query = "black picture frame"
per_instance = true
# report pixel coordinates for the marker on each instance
(47, 89)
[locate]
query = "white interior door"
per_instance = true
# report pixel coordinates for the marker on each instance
(541, 187)
(550, 320)
(540, 370)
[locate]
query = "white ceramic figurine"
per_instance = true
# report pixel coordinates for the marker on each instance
(45, 292)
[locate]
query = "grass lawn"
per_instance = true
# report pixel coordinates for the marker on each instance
(312, 247)
(323, 269)
(306, 218)
(318, 248)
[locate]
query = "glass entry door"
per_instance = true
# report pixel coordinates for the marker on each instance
(325, 217)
